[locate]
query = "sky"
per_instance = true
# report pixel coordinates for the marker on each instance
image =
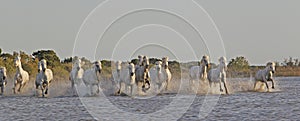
(261, 31)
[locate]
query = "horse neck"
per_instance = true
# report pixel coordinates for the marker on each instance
(203, 68)
(118, 67)
(74, 67)
(266, 71)
(19, 68)
(159, 71)
(166, 69)
(221, 68)
(77, 71)
(96, 73)
(165, 64)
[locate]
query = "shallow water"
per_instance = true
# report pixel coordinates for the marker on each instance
(282, 103)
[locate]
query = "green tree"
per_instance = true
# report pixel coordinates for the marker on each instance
(291, 62)
(239, 63)
(5, 56)
(68, 60)
(51, 57)
(134, 61)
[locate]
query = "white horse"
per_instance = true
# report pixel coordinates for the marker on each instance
(3, 80)
(125, 75)
(160, 74)
(265, 75)
(218, 75)
(44, 77)
(199, 72)
(91, 77)
(21, 76)
(77, 72)
(166, 71)
(116, 76)
(157, 75)
(142, 74)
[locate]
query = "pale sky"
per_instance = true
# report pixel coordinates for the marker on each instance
(260, 30)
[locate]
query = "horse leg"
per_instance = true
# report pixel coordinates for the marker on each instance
(255, 83)
(220, 82)
(43, 90)
(267, 85)
(221, 89)
(98, 88)
(126, 88)
(167, 85)
(191, 85)
(158, 88)
(131, 90)
(36, 85)
(273, 87)
(144, 84)
(88, 90)
(91, 90)
(225, 86)
(20, 86)
(139, 87)
(2, 89)
(14, 88)
(72, 86)
(210, 87)
(46, 89)
(36, 88)
(120, 87)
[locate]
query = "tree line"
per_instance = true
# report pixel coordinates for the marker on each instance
(61, 68)
(30, 62)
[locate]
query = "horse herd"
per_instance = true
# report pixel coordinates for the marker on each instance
(130, 74)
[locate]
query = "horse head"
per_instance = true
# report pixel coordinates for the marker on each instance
(98, 66)
(271, 67)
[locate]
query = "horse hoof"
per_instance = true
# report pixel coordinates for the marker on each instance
(273, 87)
(221, 90)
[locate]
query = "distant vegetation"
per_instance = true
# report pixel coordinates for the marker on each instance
(237, 67)
(240, 67)
(29, 63)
